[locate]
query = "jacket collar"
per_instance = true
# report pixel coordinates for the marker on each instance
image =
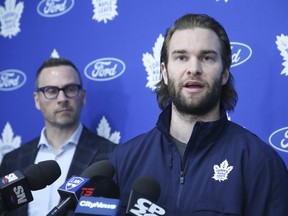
(203, 133)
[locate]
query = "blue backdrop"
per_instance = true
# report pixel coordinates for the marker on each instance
(116, 45)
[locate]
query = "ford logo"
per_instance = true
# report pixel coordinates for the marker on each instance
(11, 79)
(279, 139)
(240, 53)
(54, 8)
(104, 69)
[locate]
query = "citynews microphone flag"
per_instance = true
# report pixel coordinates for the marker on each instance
(97, 206)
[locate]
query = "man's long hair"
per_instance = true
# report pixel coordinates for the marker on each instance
(229, 95)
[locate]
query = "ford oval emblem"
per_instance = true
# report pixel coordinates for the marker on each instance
(11, 79)
(54, 8)
(240, 53)
(104, 69)
(279, 139)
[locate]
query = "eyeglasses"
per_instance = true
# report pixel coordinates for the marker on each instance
(51, 92)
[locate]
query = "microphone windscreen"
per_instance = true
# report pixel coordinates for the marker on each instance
(102, 168)
(42, 174)
(106, 188)
(148, 187)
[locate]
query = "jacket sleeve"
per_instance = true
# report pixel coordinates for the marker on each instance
(268, 189)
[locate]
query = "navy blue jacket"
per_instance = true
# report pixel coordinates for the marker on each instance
(225, 170)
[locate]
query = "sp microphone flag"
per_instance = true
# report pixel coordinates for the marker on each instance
(145, 192)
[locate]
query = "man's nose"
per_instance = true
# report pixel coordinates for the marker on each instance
(61, 95)
(194, 66)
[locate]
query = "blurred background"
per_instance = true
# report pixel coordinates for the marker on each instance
(116, 46)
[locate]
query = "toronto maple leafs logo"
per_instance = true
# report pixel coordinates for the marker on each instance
(55, 54)
(221, 172)
(282, 45)
(152, 64)
(10, 18)
(104, 10)
(8, 141)
(104, 130)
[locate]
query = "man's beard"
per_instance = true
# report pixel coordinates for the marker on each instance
(204, 104)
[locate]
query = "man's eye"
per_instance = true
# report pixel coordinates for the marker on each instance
(181, 58)
(51, 90)
(72, 89)
(207, 58)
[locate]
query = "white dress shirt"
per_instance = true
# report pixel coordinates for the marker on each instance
(46, 199)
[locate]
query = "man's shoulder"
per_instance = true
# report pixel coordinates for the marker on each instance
(28, 146)
(90, 138)
(141, 141)
(20, 158)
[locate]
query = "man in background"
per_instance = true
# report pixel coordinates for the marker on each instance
(60, 97)
(205, 164)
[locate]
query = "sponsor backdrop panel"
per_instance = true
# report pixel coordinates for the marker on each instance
(116, 46)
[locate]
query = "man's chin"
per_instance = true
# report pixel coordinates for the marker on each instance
(65, 123)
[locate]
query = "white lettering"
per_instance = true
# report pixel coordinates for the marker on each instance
(11, 177)
(53, 7)
(90, 204)
(21, 197)
(283, 143)
(145, 207)
(236, 56)
(6, 80)
(101, 71)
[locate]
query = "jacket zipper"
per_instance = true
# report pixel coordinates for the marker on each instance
(182, 177)
(182, 174)
(182, 180)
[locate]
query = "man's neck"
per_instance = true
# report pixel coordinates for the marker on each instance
(57, 136)
(182, 125)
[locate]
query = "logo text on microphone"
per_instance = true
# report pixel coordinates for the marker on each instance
(145, 207)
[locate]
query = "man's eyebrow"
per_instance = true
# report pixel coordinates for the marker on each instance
(179, 52)
(204, 52)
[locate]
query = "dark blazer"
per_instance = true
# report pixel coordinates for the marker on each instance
(91, 148)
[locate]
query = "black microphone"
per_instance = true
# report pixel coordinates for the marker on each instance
(105, 200)
(143, 196)
(70, 191)
(15, 188)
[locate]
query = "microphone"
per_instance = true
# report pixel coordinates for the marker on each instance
(71, 190)
(145, 192)
(15, 188)
(104, 201)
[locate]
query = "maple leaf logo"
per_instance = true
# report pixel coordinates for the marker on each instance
(8, 141)
(152, 64)
(104, 10)
(55, 54)
(10, 18)
(221, 172)
(282, 45)
(104, 130)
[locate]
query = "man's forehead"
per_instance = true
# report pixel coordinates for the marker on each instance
(57, 74)
(194, 39)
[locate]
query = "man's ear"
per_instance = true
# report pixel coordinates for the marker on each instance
(164, 73)
(36, 100)
(225, 76)
(84, 97)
